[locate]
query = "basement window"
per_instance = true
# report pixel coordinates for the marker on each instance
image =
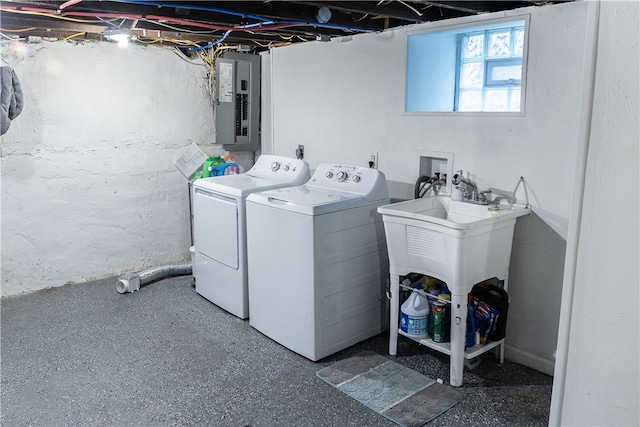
(467, 69)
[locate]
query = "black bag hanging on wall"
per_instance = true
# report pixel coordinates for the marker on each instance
(497, 298)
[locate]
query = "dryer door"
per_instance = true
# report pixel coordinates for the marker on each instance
(215, 219)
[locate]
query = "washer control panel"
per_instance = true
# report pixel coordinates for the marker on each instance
(353, 179)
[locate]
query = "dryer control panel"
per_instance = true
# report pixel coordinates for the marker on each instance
(286, 168)
(368, 182)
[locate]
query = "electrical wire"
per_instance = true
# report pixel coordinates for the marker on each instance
(361, 18)
(268, 45)
(267, 24)
(330, 26)
(259, 24)
(52, 14)
(263, 26)
(72, 36)
(182, 30)
(152, 40)
(110, 22)
(216, 27)
(194, 7)
(48, 14)
(220, 40)
(410, 7)
(10, 38)
(176, 51)
(209, 57)
(22, 30)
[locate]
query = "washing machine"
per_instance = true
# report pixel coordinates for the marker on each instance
(318, 271)
(219, 225)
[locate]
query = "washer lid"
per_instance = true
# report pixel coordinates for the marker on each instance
(239, 185)
(308, 200)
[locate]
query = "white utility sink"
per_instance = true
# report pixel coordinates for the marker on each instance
(457, 242)
(457, 215)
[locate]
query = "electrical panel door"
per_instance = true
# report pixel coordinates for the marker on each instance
(237, 101)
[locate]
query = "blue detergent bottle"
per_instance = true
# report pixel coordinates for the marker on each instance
(225, 169)
(414, 315)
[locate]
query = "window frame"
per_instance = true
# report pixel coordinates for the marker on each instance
(488, 64)
(443, 27)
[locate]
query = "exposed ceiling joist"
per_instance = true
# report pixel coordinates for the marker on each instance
(259, 24)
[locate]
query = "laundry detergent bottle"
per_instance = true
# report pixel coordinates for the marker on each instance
(414, 315)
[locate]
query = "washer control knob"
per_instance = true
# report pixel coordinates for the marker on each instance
(285, 168)
(342, 176)
(275, 166)
(355, 178)
(329, 174)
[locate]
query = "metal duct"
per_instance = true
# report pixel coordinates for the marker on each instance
(131, 282)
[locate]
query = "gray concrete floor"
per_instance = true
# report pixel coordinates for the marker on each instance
(86, 355)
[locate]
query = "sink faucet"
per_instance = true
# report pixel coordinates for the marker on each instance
(469, 190)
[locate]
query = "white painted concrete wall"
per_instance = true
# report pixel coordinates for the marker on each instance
(345, 98)
(89, 189)
(599, 384)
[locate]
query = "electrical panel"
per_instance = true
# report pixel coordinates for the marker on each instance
(237, 101)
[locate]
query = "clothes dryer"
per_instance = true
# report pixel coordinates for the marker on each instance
(219, 223)
(318, 272)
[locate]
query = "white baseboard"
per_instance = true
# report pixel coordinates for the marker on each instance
(530, 360)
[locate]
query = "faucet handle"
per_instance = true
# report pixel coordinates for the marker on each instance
(483, 196)
(456, 177)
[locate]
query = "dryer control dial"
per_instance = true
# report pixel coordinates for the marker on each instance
(275, 166)
(285, 168)
(329, 174)
(342, 176)
(355, 178)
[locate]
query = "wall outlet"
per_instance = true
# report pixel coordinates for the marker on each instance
(373, 159)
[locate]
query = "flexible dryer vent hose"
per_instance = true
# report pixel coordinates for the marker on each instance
(131, 282)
